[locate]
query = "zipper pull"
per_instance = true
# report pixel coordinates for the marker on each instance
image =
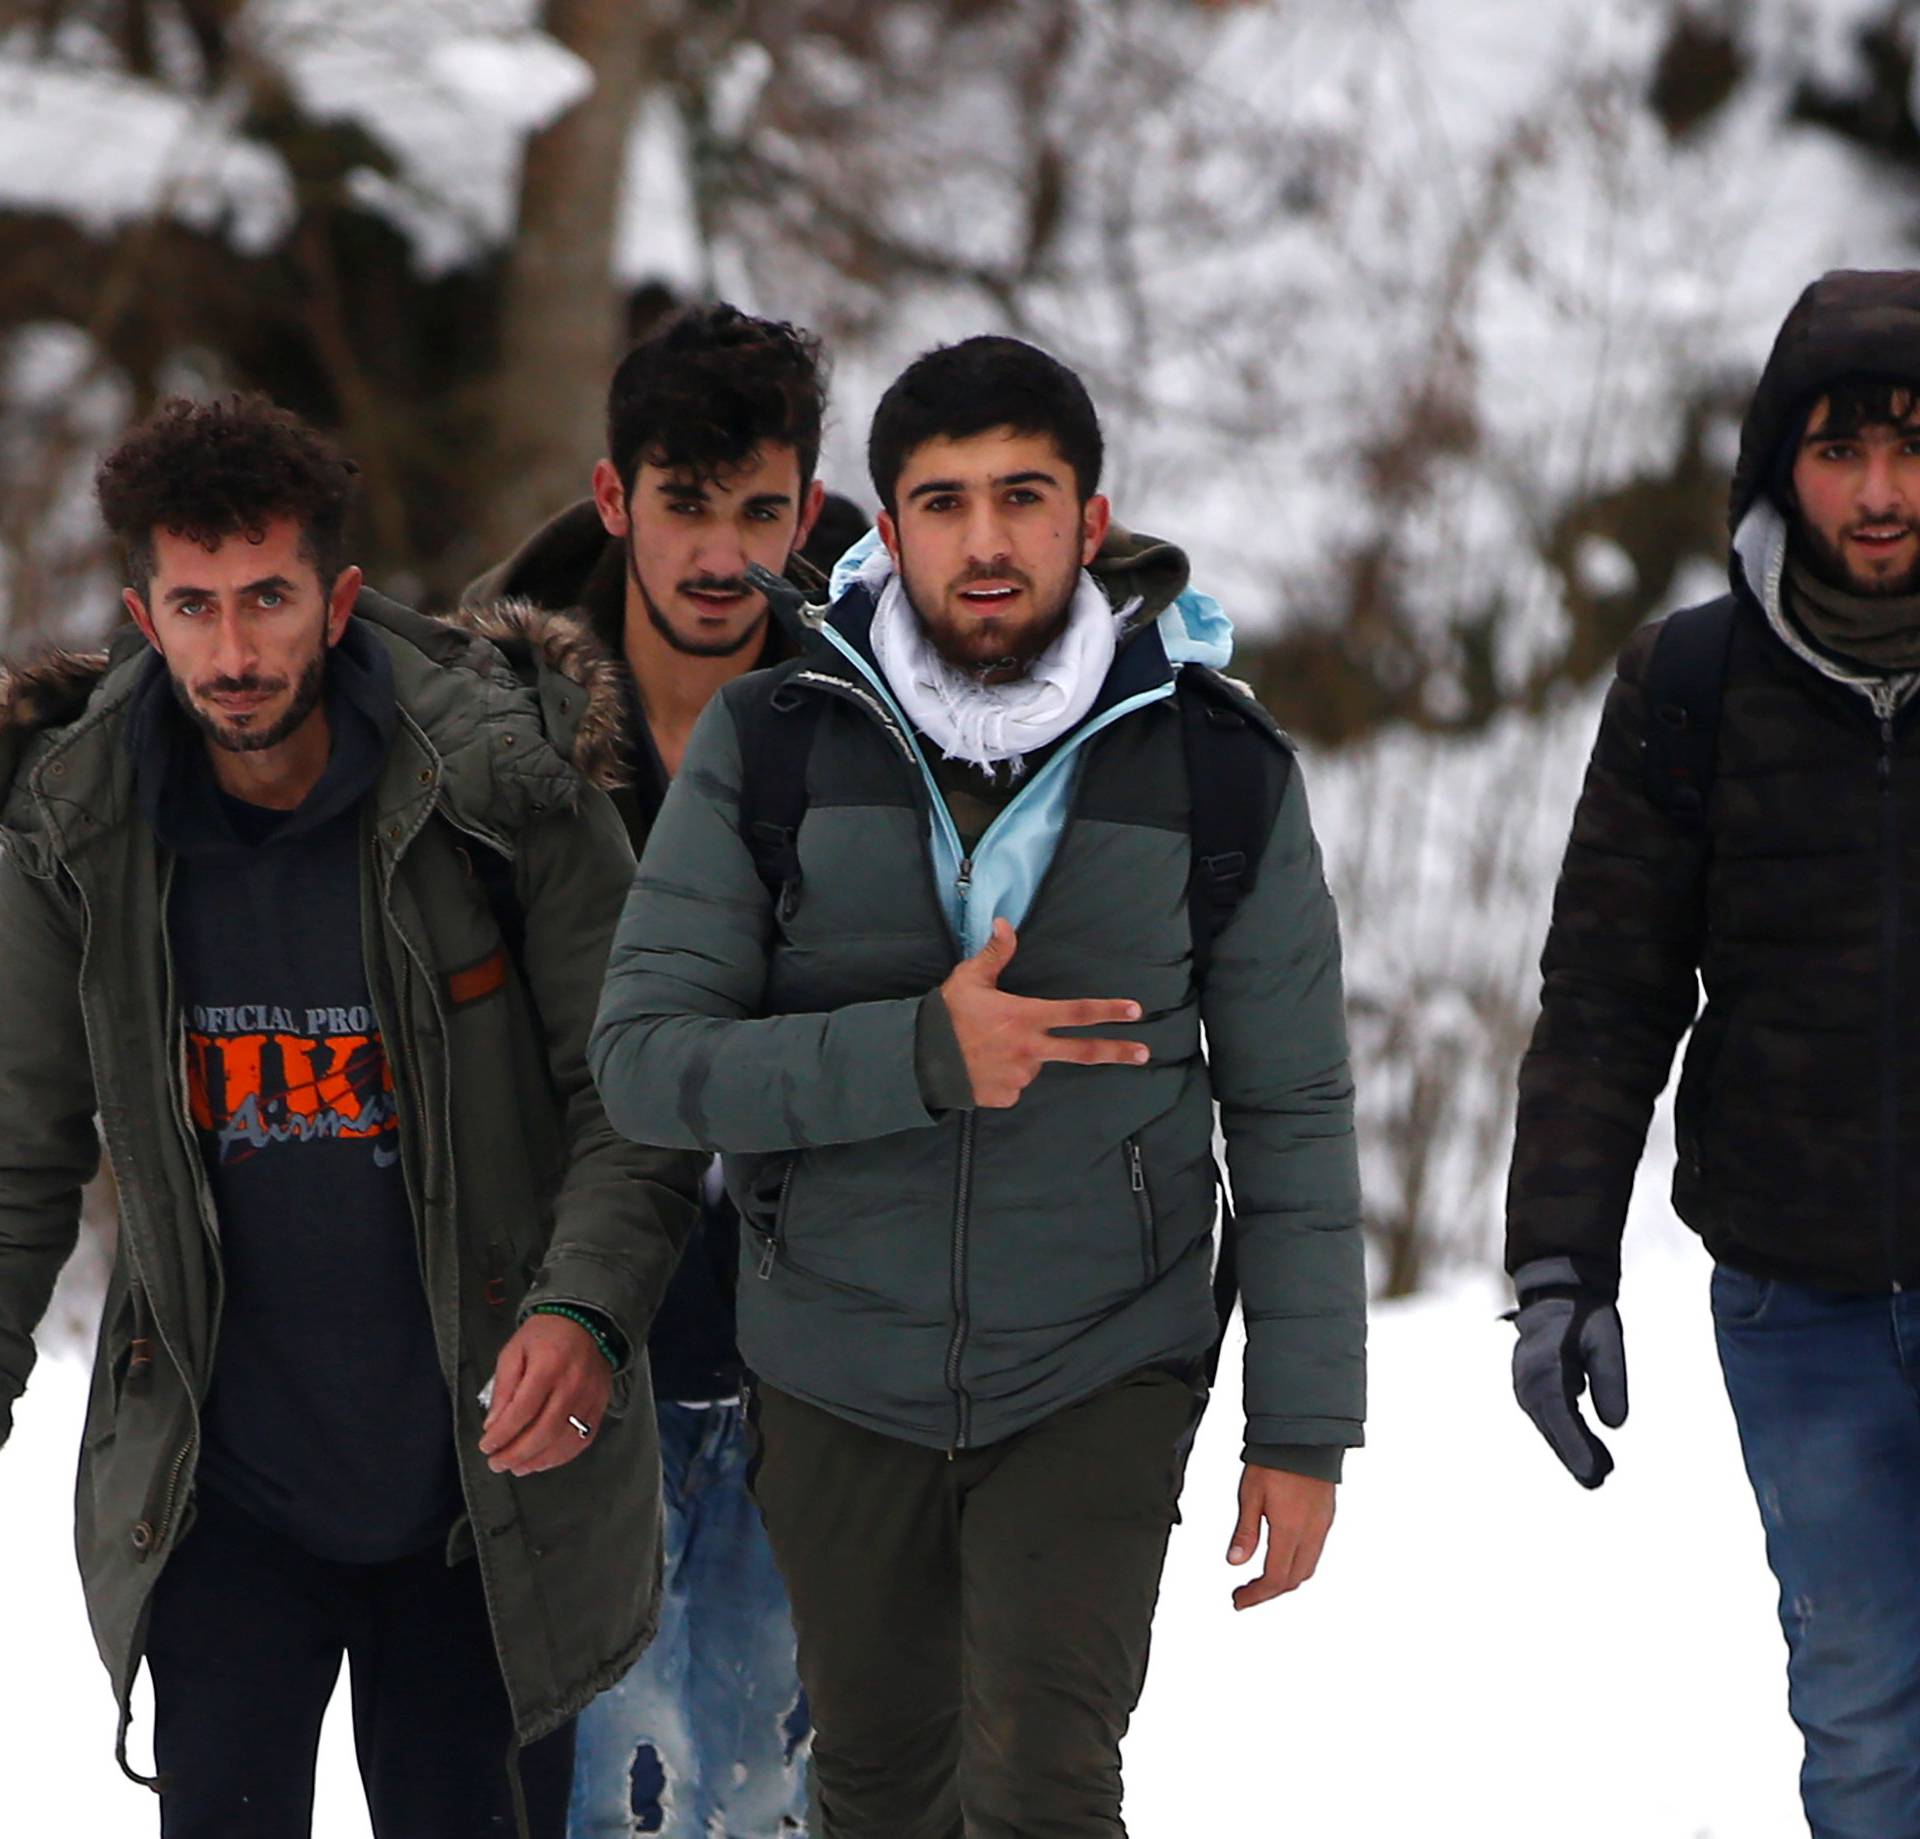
(963, 882)
(1135, 1173)
(766, 1259)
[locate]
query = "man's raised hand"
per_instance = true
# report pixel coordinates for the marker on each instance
(1006, 1040)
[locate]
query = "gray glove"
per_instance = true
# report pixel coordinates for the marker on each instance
(1569, 1340)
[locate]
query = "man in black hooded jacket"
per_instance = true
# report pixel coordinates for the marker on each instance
(1751, 822)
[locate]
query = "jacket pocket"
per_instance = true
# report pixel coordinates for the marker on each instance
(1143, 1209)
(772, 1237)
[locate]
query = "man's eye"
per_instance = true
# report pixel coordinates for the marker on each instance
(1023, 494)
(272, 600)
(944, 502)
(764, 514)
(685, 507)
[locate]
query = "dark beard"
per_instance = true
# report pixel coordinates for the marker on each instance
(1011, 662)
(306, 698)
(1825, 562)
(691, 648)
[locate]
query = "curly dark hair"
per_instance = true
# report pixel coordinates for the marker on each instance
(210, 470)
(710, 387)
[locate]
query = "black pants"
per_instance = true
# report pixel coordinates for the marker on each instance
(973, 1629)
(245, 1645)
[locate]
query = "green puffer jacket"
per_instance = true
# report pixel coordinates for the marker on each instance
(519, 1188)
(952, 1276)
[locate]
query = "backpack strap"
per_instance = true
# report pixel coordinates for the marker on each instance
(776, 728)
(1682, 689)
(1238, 765)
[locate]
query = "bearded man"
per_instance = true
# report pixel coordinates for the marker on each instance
(923, 942)
(713, 435)
(307, 898)
(1751, 821)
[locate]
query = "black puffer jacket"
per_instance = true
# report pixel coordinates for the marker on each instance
(1797, 906)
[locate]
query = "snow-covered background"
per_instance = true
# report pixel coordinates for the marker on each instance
(1416, 322)
(1487, 1650)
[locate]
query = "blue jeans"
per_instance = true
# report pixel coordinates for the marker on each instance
(1826, 1392)
(707, 1736)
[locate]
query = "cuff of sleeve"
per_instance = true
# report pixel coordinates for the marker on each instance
(616, 1342)
(938, 1062)
(1321, 1461)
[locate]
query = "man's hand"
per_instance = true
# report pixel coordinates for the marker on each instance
(1569, 1340)
(1006, 1040)
(1298, 1511)
(550, 1372)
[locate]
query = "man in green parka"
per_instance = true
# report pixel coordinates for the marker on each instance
(307, 899)
(920, 943)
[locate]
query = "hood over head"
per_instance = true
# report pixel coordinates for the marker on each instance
(1849, 322)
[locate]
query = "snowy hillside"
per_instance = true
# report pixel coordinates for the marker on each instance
(1487, 1651)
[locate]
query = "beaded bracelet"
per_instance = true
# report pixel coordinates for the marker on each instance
(581, 1319)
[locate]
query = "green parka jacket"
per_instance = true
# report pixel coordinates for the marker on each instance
(519, 1188)
(950, 1276)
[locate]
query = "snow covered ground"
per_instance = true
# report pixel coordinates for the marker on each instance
(1487, 1650)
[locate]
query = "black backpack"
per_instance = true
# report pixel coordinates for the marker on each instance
(1231, 747)
(1682, 691)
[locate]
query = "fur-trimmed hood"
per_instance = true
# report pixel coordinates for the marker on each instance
(543, 645)
(465, 682)
(50, 691)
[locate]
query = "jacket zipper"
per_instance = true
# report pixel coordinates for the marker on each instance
(1890, 917)
(772, 1249)
(962, 1208)
(161, 1524)
(925, 801)
(148, 1533)
(917, 778)
(1143, 1207)
(962, 1203)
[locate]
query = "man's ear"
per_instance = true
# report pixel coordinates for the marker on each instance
(816, 496)
(610, 500)
(1095, 517)
(890, 535)
(346, 590)
(137, 612)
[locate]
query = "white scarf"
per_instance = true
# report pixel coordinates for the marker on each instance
(988, 724)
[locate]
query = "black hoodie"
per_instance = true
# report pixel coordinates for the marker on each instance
(327, 1416)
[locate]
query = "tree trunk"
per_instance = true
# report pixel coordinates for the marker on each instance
(561, 319)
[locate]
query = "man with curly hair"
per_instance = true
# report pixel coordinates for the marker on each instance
(713, 435)
(307, 897)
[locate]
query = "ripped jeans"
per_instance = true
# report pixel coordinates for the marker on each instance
(1826, 1392)
(707, 1736)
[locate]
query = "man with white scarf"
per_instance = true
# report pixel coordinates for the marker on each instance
(918, 945)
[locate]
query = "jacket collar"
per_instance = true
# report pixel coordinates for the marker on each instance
(1759, 566)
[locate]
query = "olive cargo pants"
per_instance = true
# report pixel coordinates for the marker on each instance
(973, 1628)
